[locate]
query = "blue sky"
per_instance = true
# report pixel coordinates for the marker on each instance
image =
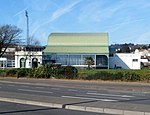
(126, 21)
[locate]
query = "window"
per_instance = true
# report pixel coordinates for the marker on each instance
(62, 59)
(135, 60)
(75, 59)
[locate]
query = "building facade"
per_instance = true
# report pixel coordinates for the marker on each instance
(28, 57)
(125, 61)
(73, 48)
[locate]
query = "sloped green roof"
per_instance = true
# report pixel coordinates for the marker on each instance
(77, 43)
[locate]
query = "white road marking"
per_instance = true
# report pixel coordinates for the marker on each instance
(92, 92)
(34, 91)
(24, 86)
(73, 97)
(98, 96)
(72, 90)
(40, 87)
(109, 95)
(55, 88)
(11, 85)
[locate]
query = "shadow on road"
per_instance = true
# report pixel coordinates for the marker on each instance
(28, 110)
(64, 105)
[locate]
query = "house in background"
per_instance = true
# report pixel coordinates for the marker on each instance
(125, 61)
(73, 48)
(137, 58)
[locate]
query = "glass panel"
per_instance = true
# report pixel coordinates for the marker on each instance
(84, 57)
(101, 60)
(62, 59)
(75, 59)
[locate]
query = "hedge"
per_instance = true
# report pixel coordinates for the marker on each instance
(122, 75)
(47, 71)
(69, 72)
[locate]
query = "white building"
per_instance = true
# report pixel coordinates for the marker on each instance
(125, 61)
(29, 57)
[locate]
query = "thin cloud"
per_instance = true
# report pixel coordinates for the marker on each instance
(117, 26)
(96, 12)
(58, 13)
(63, 10)
(20, 12)
(143, 38)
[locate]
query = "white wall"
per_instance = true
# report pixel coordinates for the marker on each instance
(125, 61)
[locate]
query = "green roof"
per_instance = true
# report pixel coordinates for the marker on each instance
(77, 43)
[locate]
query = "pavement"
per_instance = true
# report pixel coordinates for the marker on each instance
(24, 109)
(73, 103)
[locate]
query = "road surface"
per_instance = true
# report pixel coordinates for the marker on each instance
(70, 94)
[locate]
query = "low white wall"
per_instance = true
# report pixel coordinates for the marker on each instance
(125, 61)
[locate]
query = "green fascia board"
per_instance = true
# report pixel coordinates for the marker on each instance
(50, 53)
(77, 49)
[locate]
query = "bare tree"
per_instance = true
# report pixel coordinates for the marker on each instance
(8, 35)
(33, 41)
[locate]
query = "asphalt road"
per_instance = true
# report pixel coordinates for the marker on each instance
(81, 93)
(77, 93)
(21, 109)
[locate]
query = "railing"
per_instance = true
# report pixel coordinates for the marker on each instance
(10, 63)
(7, 64)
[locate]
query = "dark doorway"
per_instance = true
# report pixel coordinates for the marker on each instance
(101, 62)
(34, 62)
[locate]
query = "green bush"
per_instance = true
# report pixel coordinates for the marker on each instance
(48, 71)
(2, 73)
(123, 75)
(41, 72)
(11, 72)
(23, 72)
(68, 72)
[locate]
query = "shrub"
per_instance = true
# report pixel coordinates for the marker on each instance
(48, 71)
(41, 72)
(2, 73)
(11, 72)
(68, 72)
(130, 76)
(123, 75)
(23, 72)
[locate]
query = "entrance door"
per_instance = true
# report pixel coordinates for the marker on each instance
(22, 63)
(34, 62)
(101, 61)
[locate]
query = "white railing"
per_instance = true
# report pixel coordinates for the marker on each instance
(7, 64)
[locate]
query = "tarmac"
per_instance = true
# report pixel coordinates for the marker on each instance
(120, 108)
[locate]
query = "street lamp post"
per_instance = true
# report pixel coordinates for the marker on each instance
(28, 56)
(28, 40)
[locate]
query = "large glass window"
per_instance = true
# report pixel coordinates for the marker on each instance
(85, 56)
(62, 59)
(101, 60)
(75, 59)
